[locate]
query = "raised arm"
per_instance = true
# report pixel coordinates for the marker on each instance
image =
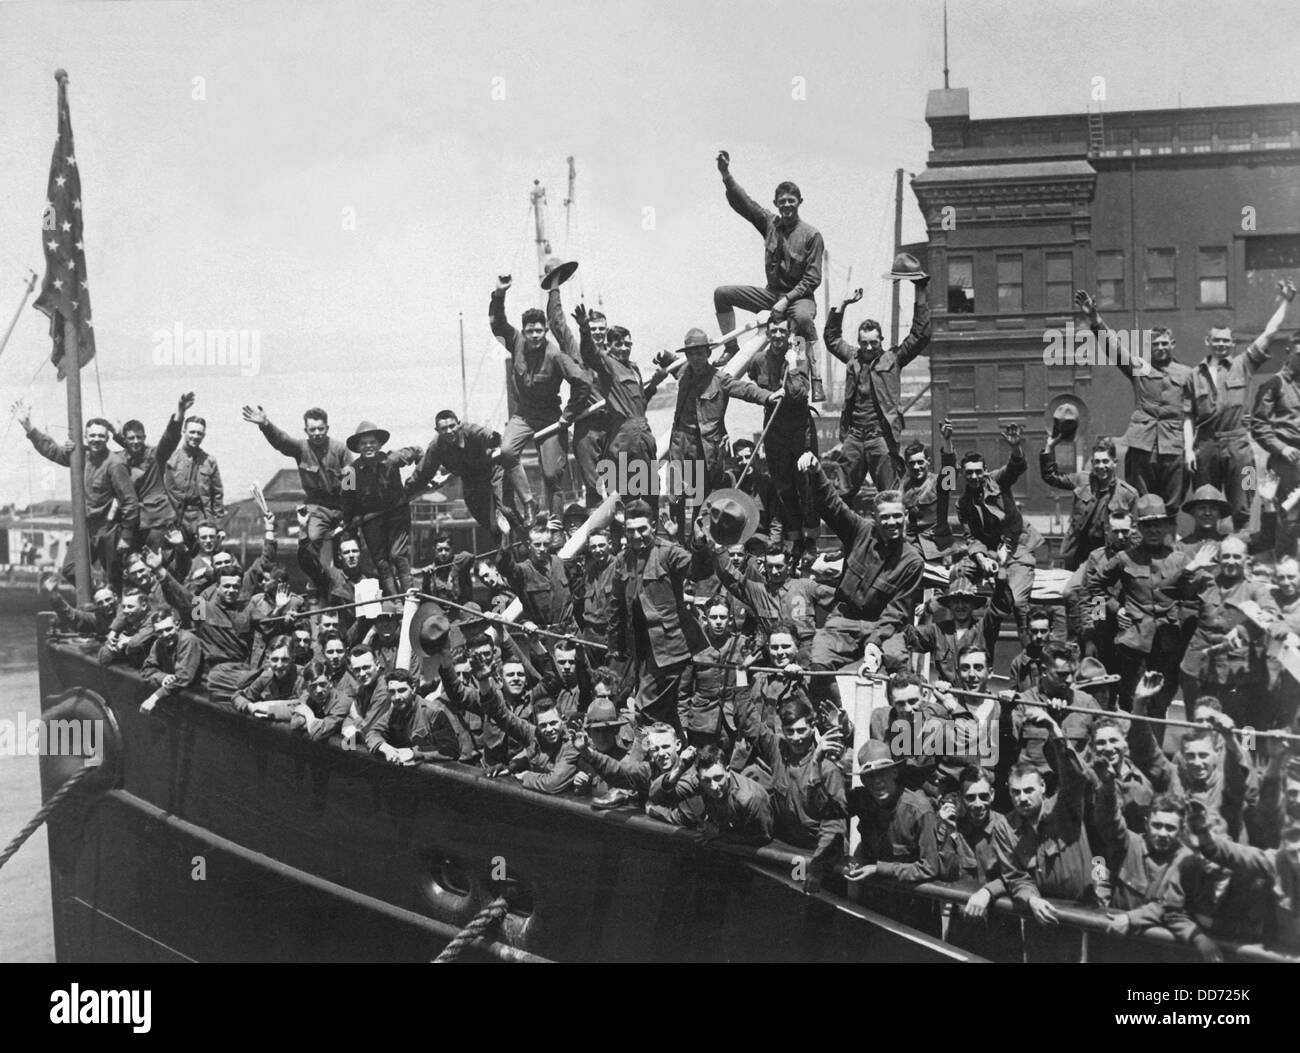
(918, 337)
(47, 447)
(506, 333)
(833, 334)
(1258, 349)
(741, 202)
(559, 326)
(845, 522)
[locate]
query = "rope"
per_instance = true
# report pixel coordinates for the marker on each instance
(99, 387)
(478, 926)
(42, 813)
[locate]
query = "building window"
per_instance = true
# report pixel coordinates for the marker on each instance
(1011, 286)
(1011, 387)
(1273, 252)
(1161, 289)
(961, 388)
(1110, 281)
(1212, 277)
(961, 285)
(1060, 281)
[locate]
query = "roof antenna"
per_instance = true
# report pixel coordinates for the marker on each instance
(945, 45)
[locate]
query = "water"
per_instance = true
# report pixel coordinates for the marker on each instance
(26, 926)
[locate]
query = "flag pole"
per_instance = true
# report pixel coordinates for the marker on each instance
(4, 340)
(72, 377)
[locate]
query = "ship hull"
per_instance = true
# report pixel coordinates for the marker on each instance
(228, 839)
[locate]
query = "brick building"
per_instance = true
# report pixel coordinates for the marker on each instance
(1177, 218)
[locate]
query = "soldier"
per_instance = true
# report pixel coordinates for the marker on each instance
(1000, 544)
(375, 505)
(792, 262)
(147, 466)
(321, 465)
(1097, 494)
(535, 374)
(871, 422)
(590, 428)
(1275, 422)
(1155, 462)
(106, 481)
(473, 453)
(194, 481)
(1216, 428)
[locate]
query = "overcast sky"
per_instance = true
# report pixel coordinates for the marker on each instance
(223, 148)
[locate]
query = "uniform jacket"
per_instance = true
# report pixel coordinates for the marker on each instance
(875, 386)
(320, 473)
(792, 259)
(648, 586)
(1092, 505)
(194, 483)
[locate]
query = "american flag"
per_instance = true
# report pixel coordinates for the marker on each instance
(65, 296)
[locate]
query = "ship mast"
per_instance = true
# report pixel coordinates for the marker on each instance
(538, 199)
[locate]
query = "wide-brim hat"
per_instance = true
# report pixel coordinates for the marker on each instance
(429, 628)
(695, 339)
(1093, 674)
(603, 714)
(875, 757)
(962, 589)
(1208, 494)
(733, 516)
(366, 427)
(1065, 421)
(556, 272)
(906, 268)
(1149, 508)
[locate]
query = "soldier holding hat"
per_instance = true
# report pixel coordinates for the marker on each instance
(590, 429)
(374, 504)
(534, 378)
(871, 422)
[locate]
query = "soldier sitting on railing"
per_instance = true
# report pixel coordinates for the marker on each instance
(95, 619)
(674, 793)
(321, 707)
(279, 681)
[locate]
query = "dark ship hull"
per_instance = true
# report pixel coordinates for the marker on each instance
(227, 839)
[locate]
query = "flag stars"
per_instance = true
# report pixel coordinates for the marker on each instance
(66, 226)
(60, 181)
(71, 264)
(53, 246)
(71, 160)
(58, 284)
(77, 204)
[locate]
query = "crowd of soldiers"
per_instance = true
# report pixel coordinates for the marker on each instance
(689, 660)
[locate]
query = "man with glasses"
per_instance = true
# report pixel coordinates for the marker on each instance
(1155, 459)
(871, 422)
(792, 262)
(1098, 493)
(473, 453)
(535, 373)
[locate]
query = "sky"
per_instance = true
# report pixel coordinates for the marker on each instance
(345, 180)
